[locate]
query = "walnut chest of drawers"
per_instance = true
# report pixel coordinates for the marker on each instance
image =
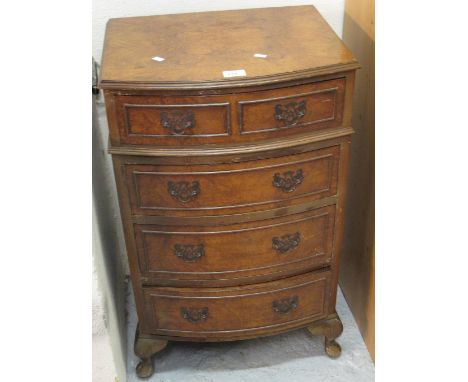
(230, 133)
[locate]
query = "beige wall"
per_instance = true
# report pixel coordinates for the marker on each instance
(109, 262)
(357, 266)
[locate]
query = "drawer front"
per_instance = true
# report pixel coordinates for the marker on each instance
(165, 120)
(242, 187)
(239, 253)
(237, 311)
(301, 108)
(230, 118)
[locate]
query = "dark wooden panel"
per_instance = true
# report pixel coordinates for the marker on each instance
(236, 254)
(221, 189)
(302, 108)
(212, 312)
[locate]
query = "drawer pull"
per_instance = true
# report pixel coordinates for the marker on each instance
(289, 180)
(194, 314)
(285, 243)
(178, 122)
(189, 252)
(184, 191)
(285, 305)
(290, 113)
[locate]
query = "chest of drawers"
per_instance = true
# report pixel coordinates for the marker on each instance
(229, 133)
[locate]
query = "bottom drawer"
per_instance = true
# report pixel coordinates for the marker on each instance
(244, 311)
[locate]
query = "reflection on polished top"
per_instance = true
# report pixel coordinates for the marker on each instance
(222, 49)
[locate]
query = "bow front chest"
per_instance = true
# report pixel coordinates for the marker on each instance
(229, 134)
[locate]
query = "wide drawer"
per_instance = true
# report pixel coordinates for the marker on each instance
(232, 188)
(236, 254)
(238, 311)
(242, 117)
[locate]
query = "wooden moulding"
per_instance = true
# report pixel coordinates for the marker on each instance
(239, 83)
(329, 326)
(227, 150)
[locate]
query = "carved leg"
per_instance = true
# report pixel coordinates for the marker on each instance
(145, 348)
(331, 328)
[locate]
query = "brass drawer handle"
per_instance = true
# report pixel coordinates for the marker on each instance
(184, 191)
(287, 242)
(290, 113)
(178, 122)
(189, 252)
(289, 180)
(194, 314)
(285, 305)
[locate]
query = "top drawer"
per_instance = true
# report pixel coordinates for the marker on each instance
(295, 109)
(243, 117)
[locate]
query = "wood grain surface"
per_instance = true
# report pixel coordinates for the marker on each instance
(222, 189)
(231, 312)
(198, 47)
(236, 254)
(243, 117)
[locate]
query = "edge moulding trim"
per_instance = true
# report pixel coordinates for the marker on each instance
(231, 150)
(284, 77)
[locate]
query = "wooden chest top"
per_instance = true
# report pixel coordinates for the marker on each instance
(198, 47)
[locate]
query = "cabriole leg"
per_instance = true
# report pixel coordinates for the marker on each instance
(145, 348)
(331, 328)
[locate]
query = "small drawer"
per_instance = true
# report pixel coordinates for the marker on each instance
(250, 116)
(211, 312)
(232, 188)
(292, 110)
(156, 120)
(236, 254)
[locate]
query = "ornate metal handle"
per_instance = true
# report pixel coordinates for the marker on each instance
(290, 113)
(189, 252)
(289, 180)
(286, 242)
(285, 305)
(178, 122)
(184, 191)
(194, 314)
